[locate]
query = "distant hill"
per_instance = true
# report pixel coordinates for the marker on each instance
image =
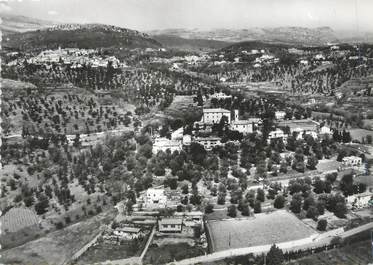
(79, 36)
(172, 41)
(15, 24)
(249, 45)
(289, 35)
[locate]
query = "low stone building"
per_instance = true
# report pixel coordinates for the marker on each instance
(170, 225)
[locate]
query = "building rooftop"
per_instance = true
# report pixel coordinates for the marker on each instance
(207, 138)
(219, 110)
(170, 221)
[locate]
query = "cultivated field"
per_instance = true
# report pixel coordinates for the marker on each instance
(263, 229)
(182, 107)
(17, 219)
(57, 247)
(168, 253)
(355, 254)
(358, 134)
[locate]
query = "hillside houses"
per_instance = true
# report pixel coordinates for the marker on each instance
(180, 222)
(74, 58)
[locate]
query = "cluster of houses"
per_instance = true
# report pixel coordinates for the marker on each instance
(210, 117)
(181, 222)
(73, 57)
(149, 215)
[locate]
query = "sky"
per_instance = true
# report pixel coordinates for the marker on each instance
(349, 15)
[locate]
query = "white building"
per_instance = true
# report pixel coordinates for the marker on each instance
(178, 134)
(277, 134)
(155, 198)
(220, 95)
(128, 233)
(280, 115)
(359, 201)
(319, 57)
(187, 139)
(162, 144)
(208, 142)
(325, 130)
(211, 116)
(170, 225)
(242, 126)
(352, 161)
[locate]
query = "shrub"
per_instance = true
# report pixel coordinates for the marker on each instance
(209, 208)
(279, 202)
(322, 224)
(257, 207)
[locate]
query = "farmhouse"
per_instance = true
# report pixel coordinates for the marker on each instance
(127, 232)
(211, 116)
(170, 225)
(352, 161)
(162, 144)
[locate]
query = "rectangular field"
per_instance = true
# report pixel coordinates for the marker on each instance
(357, 134)
(263, 229)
